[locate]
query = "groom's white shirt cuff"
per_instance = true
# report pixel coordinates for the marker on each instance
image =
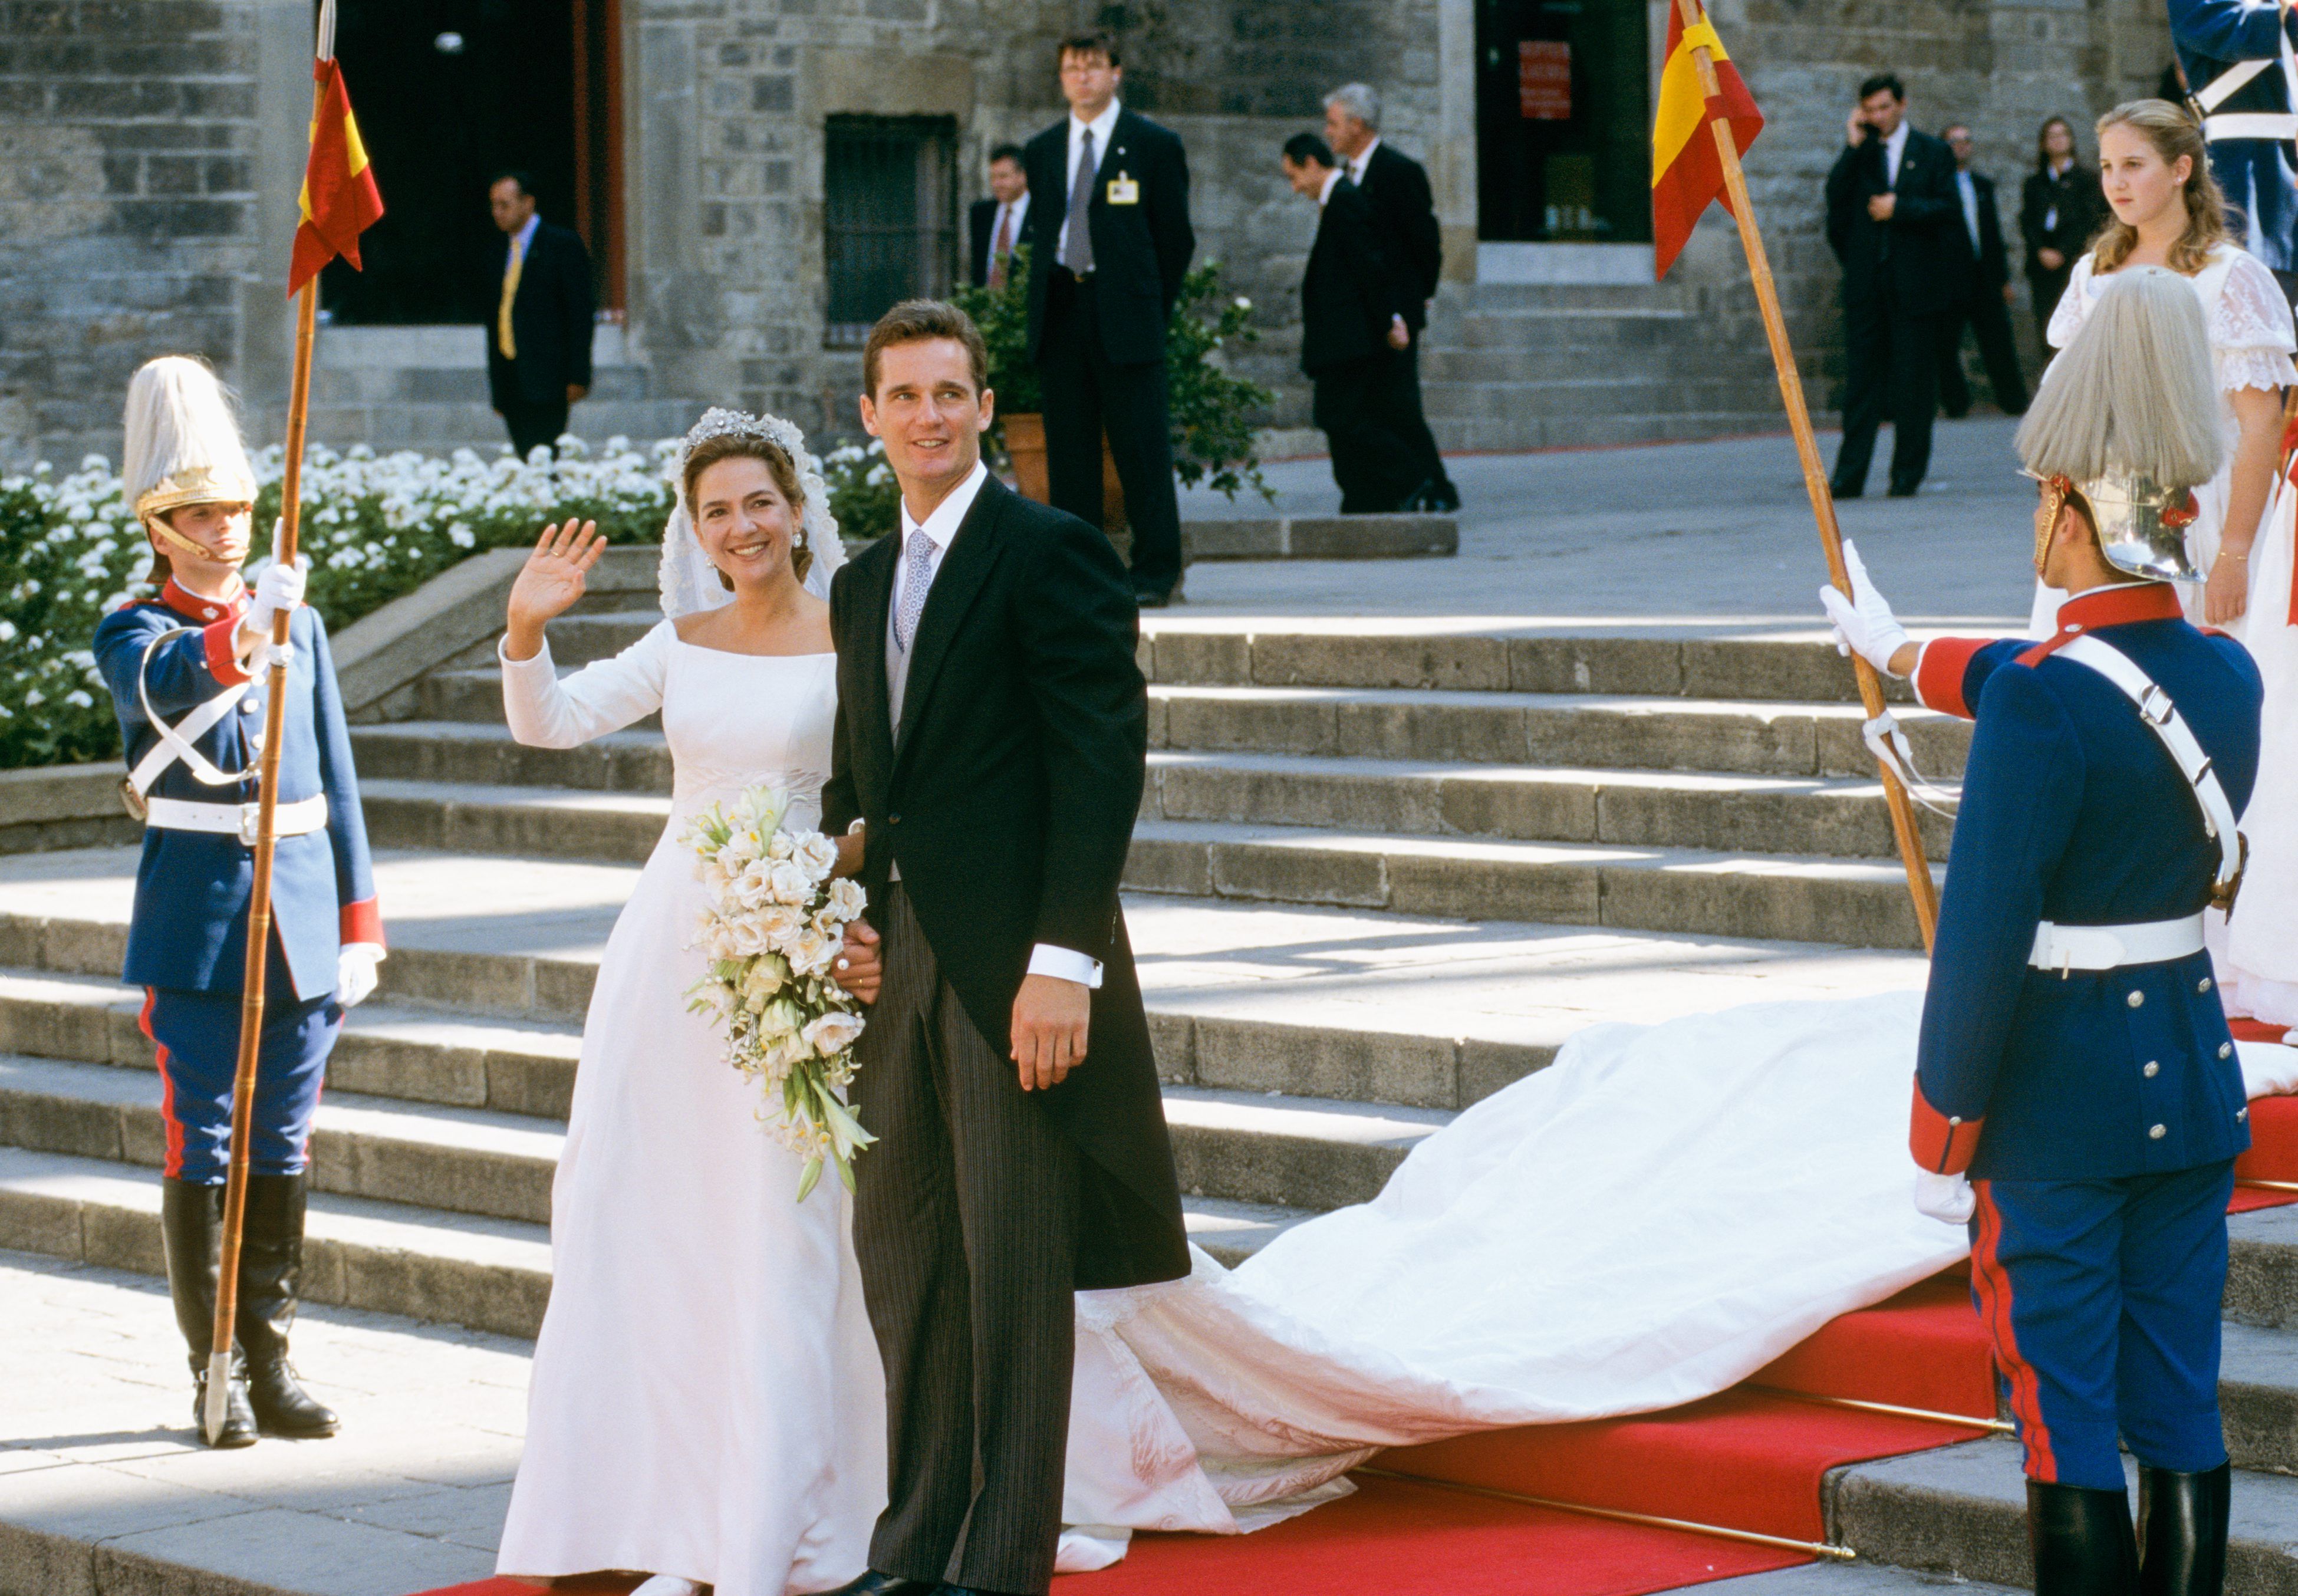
(1051, 958)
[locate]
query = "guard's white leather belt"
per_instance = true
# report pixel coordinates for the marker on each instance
(2064, 947)
(237, 820)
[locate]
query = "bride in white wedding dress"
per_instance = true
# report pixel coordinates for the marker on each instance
(706, 1405)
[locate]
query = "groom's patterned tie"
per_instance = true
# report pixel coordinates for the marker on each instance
(917, 575)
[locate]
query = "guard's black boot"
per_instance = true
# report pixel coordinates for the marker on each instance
(2083, 1542)
(270, 1271)
(191, 1235)
(2182, 1531)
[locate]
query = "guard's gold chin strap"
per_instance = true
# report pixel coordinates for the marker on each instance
(2058, 494)
(159, 528)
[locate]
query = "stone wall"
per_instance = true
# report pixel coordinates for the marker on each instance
(150, 152)
(728, 102)
(140, 210)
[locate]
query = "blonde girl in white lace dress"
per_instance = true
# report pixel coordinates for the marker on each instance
(2168, 212)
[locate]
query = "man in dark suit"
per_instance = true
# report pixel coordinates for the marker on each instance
(1352, 333)
(1890, 205)
(1404, 222)
(993, 225)
(992, 736)
(1985, 303)
(1109, 227)
(539, 342)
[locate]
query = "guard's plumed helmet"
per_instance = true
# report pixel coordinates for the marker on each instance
(183, 444)
(2127, 422)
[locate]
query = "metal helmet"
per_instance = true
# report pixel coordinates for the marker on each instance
(2141, 525)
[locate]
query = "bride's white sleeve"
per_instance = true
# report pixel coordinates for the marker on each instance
(2250, 330)
(2067, 319)
(544, 712)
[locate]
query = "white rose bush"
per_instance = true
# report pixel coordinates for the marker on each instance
(374, 526)
(770, 937)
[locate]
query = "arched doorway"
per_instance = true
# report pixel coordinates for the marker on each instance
(449, 92)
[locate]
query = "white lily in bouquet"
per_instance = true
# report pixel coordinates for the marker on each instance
(775, 925)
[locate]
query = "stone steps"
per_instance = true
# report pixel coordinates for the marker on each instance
(486, 1274)
(1792, 664)
(497, 956)
(1788, 897)
(1831, 816)
(1573, 729)
(1583, 730)
(1241, 1147)
(1960, 1511)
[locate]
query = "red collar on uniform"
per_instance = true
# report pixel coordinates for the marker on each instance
(193, 608)
(2117, 606)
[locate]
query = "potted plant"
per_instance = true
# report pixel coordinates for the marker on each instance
(1212, 411)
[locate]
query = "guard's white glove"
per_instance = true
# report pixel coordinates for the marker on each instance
(1865, 625)
(1948, 1198)
(355, 973)
(279, 590)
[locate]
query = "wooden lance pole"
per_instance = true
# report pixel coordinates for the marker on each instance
(1924, 890)
(259, 904)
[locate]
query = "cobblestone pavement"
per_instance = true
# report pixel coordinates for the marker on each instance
(103, 1486)
(1718, 529)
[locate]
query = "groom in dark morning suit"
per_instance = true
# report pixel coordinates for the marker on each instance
(1109, 241)
(992, 738)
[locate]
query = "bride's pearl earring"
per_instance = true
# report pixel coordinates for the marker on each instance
(798, 540)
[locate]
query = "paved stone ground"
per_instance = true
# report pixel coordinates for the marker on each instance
(1715, 530)
(101, 1476)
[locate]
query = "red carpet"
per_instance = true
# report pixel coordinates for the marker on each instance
(1749, 1459)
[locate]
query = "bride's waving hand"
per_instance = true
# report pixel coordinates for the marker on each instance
(548, 584)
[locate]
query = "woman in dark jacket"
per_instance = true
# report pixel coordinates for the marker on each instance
(2059, 209)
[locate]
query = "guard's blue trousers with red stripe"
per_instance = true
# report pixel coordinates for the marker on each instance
(2103, 1297)
(197, 1036)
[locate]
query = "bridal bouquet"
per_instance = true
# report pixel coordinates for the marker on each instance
(775, 924)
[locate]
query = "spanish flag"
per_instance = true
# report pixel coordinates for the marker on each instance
(1687, 171)
(340, 199)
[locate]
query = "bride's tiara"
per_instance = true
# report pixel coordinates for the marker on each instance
(719, 423)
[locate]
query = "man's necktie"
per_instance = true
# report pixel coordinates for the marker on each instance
(503, 340)
(1076, 236)
(917, 575)
(1001, 248)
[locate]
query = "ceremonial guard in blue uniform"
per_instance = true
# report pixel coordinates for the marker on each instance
(187, 672)
(2076, 1098)
(2242, 74)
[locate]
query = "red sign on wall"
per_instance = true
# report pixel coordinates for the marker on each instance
(1543, 79)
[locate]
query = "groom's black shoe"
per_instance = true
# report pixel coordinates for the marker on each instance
(874, 1583)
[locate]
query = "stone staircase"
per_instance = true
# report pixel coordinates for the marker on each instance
(1533, 365)
(1379, 874)
(425, 388)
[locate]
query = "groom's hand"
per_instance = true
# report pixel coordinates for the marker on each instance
(1050, 1016)
(858, 968)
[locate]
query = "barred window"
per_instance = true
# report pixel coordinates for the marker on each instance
(890, 218)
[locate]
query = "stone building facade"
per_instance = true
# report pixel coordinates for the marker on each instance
(149, 153)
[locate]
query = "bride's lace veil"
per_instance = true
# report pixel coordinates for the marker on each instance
(689, 582)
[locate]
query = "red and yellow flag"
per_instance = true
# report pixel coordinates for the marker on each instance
(340, 199)
(1687, 169)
